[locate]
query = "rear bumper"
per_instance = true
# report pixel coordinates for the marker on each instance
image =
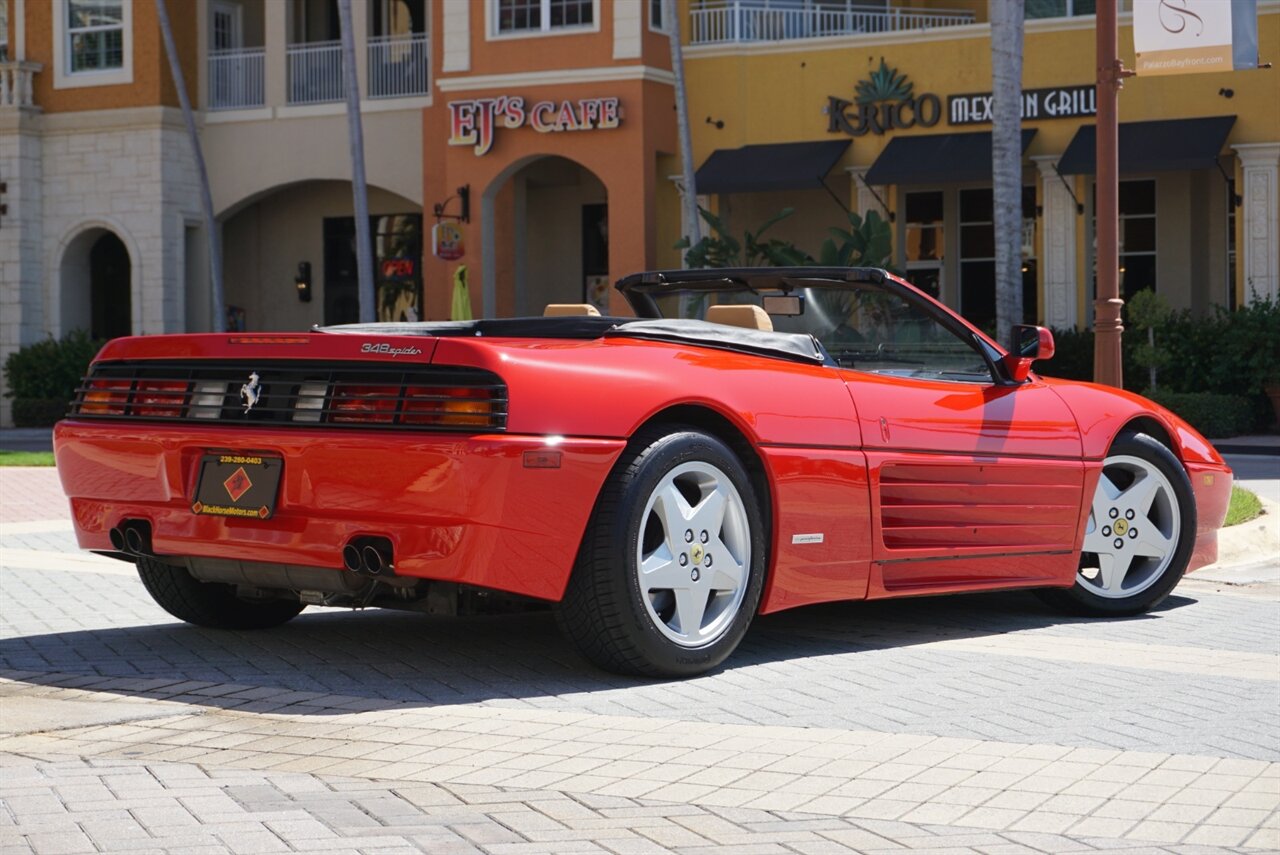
(1211, 484)
(455, 507)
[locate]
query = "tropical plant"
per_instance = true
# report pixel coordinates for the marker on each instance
(722, 249)
(1148, 311)
(359, 188)
(868, 242)
(1006, 160)
(218, 313)
(883, 84)
(689, 188)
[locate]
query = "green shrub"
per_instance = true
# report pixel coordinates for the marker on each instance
(42, 377)
(1214, 415)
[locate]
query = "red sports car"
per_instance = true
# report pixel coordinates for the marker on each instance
(754, 440)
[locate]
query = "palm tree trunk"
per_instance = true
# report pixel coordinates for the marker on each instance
(359, 188)
(689, 199)
(1006, 160)
(219, 320)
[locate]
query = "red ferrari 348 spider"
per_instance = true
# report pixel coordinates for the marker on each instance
(753, 440)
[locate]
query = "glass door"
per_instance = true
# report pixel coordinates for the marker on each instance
(925, 241)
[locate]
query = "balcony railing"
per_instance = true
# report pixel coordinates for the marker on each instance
(761, 20)
(237, 79)
(16, 80)
(315, 72)
(398, 66)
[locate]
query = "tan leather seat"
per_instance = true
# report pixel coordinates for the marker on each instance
(564, 310)
(751, 317)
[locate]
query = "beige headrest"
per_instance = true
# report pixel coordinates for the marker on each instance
(561, 310)
(751, 317)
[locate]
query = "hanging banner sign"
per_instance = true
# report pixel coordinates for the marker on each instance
(474, 121)
(1056, 102)
(1194, 36)
(446, 241)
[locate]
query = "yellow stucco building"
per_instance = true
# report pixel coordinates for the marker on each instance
(1199, 154)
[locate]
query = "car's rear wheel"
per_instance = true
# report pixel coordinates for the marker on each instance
(211, 604)
(672, 564)
(1140, 533)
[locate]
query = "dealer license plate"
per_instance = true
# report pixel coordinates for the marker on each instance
(238, 485)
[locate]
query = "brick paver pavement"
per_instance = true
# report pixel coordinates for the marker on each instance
(979, 724)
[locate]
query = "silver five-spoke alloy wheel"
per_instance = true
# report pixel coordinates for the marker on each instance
(693, 554)
(1133, 530)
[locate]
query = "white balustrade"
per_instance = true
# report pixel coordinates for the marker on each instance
(759, 20)
(16, 83)
(315, 72)
(237, 78)
(398, 66)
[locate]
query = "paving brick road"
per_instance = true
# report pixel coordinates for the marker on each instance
(965, 724)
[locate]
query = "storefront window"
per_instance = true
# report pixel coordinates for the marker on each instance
(397, 268)
(925, 240)
(95, 35)
(1137, 237)
(1059, 8)
(526, 16)
(978, 257)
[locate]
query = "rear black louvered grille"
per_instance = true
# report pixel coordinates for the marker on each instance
(293, 394)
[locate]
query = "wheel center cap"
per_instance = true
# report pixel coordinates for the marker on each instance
(696, 553)
(1121, 526)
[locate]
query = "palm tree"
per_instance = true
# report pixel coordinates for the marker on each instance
(219, 320)
(1006, 160)
(359, 187)
(689, 199)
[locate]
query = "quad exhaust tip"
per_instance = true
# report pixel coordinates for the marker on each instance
(370, 556)
(132, 537)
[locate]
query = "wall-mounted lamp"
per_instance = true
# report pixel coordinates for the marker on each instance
(1227, 93)
(303, 281)
(719, 123)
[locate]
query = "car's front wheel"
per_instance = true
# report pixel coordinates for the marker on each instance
(1140, 533)
(672, 565)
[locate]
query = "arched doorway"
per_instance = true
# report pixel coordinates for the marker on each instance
(289, 257)
(97, 285)
(546, 238)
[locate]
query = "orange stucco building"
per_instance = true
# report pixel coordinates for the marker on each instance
(566, 171)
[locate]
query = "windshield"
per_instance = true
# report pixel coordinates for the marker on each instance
(862, 325)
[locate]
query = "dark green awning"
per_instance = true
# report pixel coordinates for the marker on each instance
(1169, 145)
(936, 159)
(777, 166)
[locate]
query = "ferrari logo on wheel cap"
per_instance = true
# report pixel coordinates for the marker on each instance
(696, 553)
(1121, 526)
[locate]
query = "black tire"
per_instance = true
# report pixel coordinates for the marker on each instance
(211, 604)
(1081, 598)
(604, 612)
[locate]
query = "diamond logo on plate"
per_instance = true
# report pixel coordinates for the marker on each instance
(238, 484)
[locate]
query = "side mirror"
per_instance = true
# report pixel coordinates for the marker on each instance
(1029, 344)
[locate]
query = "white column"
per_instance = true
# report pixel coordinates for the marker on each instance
(455, 38)
(628, 27)
(1058, 249)
(1260, 222)
(864, 195)
(19, 30)
(275, 37)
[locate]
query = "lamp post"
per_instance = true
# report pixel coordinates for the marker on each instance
(1107, 326)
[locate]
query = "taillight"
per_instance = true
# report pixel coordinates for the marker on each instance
(447, 407)
(160, 398)
(364, 404)
(105, 397)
